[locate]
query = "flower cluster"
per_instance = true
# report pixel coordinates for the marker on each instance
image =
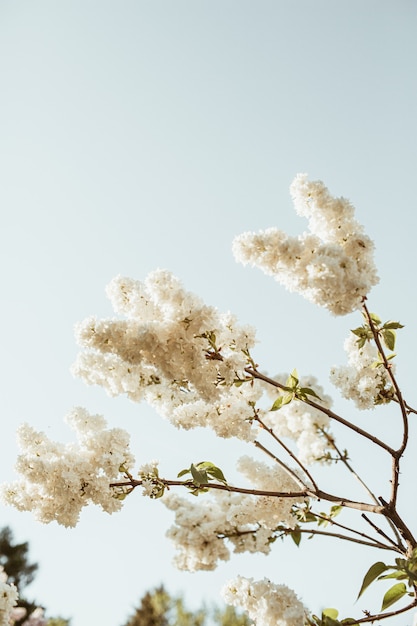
(59, 479)
(174, 351)
(8, 599)
(362, 380)
(247, 522)
(331, 265)
(266, 603)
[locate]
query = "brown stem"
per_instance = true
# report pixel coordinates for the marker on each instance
(391, 513)
(311, 493)
(255, 374)
(397, 454)
(314, 531)
(344, 460)
(374, 618)
(399, 546)
(285, 467)
(377, 543)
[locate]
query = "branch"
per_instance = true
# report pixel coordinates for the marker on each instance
(255, 374)
(307, 493)
(379, 530)
(313, 531)
(344, 460)
(288, 451)
(373, 618)
(397, 454)
(281, 464)
(374, 541)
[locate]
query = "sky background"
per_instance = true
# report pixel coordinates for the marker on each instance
(137, 135)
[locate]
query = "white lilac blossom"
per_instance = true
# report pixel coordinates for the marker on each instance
(266, 603)
(302, 423)
(331, 265)
(8, 599)
(361, 380)
(174, 351)
(59, 479)
(247, 522)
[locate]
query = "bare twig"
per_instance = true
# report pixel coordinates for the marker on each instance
(288, 451)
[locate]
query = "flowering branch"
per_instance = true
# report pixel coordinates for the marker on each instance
(256, 374)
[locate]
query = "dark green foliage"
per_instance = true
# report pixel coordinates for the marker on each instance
(14, 559)
(20, 572)
(159, 608)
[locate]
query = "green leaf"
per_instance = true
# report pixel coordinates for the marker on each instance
(198, 477)
(212, 470)
(374, 317)
(287, 398)
(292, 380)
(277, 404)
(393, 325)
(333, 613)
(296, 536)
(335, 510)
(393, 595)
(388, 337)
(398, 575)
(306, 391)
(374, 571)
(183, 472)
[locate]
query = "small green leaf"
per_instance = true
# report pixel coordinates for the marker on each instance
(287, 398)
(374, 317)
(398, 575)
(335, 510)
(198, 477)
(374, 571)
(292, 380)
(389, 338)
(212, 470)
(393, 325)
(277, 404)
(332, 613)
(183, 472)
(393, 595)
(306, 391)
(296, 536)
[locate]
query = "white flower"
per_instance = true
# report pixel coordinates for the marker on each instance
(361, 380)
(59, 479)
(266, 603)
(174, 351)
(203, 529)
(332, 265)
(8, 599)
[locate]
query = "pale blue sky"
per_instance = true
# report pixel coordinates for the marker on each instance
(137, 135)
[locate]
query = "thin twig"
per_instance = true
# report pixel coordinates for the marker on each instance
(284, 466)
(344, 460)
(361, 534)
(374, 618)
(381, 532)
(288, 451)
